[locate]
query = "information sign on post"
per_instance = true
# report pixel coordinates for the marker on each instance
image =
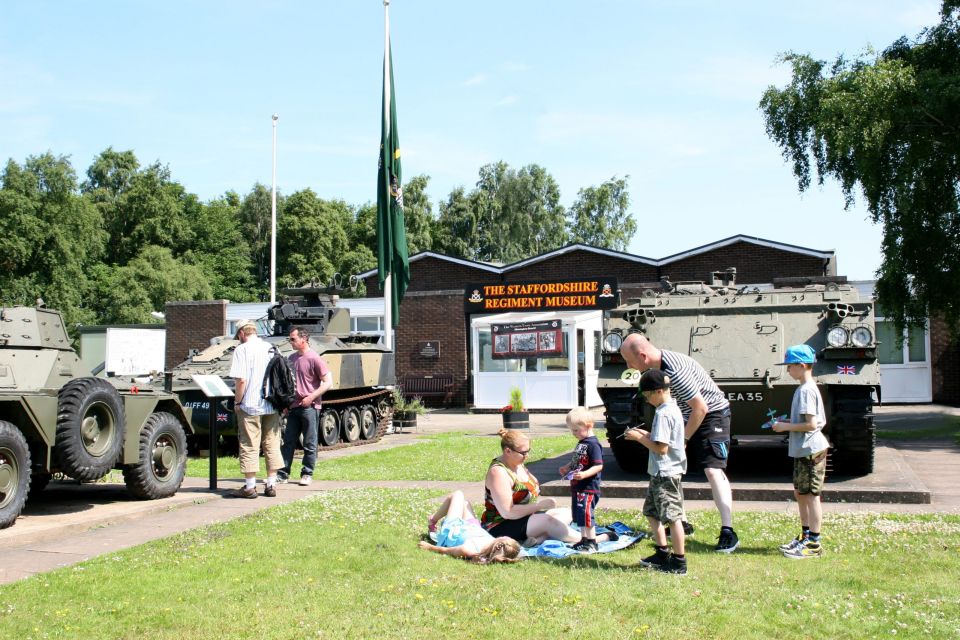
(214, 388)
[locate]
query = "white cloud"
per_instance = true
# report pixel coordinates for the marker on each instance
(506, 101)
(475, 79)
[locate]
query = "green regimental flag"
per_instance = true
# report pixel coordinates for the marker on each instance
(392, 255)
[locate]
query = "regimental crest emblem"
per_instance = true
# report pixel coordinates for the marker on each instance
(396, 191)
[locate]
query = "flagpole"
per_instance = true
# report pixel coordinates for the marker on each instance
(273, 219)
(388, 281)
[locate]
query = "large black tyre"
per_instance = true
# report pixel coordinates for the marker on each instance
(329, 427)
(162, 459)
(90, 427)
(368, 422)
(14, 473)
(350, 419)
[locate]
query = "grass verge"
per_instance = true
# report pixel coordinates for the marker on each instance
(946, 429)
(344, 564)
(445, 456)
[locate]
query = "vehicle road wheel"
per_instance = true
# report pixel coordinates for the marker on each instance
(329, 427)
(351, 424)
(14, 473)
(368, 422)
(90, 424)
(162, 460)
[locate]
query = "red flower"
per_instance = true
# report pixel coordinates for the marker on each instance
(507, 409)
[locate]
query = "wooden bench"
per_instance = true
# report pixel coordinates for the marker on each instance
(427, 386)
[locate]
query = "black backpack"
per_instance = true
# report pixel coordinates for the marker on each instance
(279, 385)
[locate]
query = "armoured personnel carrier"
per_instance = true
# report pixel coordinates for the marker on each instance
(356, 411)
(54, 418)
(738, 335)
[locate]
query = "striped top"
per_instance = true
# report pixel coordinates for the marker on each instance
(687, 379)
(250, 361)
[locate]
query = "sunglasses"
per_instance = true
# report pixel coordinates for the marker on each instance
(522, 453)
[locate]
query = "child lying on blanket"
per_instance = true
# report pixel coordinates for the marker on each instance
(462, 536)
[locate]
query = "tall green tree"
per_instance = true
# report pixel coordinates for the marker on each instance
(50, 237)
(888, 126)
(418, 214)
(311, 239)
(455, 231)
(600, 216)
(140, 206)
(221, 250)
(510, 215)
(255, 218)
(128, 293)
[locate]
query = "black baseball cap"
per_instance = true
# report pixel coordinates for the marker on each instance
(654, 379)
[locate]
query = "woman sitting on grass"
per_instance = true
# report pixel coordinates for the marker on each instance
(462, 536)
(512, 503)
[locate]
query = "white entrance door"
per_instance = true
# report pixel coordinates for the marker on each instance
(905, 374)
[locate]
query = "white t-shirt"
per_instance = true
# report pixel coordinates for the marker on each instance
(249, 363)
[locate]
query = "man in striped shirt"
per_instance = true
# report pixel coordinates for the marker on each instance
(707, 416)
(257, 421)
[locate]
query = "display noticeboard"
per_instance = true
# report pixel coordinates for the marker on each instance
(212, 386)
(543, 339)
(556, 295)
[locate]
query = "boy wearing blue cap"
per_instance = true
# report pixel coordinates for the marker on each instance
(808, 448)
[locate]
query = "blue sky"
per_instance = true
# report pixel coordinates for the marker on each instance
(665, 92)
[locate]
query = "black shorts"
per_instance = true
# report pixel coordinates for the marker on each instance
(710, 445)
(516, 529)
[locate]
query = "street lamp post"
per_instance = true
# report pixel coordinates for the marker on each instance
(273, 219)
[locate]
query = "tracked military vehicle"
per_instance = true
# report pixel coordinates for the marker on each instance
(356, 411)
(738, 335)
(54, 418)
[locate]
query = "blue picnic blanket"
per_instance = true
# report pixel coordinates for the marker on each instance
(558, 549)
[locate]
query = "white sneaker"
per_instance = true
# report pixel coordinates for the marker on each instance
(793, 544)
(305, 481)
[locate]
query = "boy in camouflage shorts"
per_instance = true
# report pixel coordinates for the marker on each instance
(808, 448)
(666, 466)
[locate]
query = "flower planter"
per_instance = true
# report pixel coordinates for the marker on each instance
(404, 420)
(516, 420)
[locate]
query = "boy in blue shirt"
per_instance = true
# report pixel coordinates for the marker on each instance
(666, 466)
(808, 448)
(583, 471)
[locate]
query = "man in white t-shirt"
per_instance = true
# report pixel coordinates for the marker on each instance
(258, 423)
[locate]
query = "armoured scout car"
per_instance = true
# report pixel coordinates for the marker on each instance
(56, 419)
(739, 334)
(356, 411)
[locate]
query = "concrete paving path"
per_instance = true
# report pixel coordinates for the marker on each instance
(67, 523)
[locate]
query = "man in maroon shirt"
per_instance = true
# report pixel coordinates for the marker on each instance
(313, 380)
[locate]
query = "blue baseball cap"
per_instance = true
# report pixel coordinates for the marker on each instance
(800, 354)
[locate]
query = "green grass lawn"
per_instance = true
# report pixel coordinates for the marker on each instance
(344, 564)
(447, 456)
(948, 428)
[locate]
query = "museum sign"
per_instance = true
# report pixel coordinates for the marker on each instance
(551, 295)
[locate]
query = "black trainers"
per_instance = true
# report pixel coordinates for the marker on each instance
(586, 545)
(688, 529)
(674, 565)
(659, 558)
(727, 541)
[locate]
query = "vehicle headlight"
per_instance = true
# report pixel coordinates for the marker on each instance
(612, 342)
(861, 337)
(837, 337)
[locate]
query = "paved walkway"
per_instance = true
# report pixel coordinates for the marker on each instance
(67, 523)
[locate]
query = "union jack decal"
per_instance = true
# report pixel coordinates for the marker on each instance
(846, 370)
